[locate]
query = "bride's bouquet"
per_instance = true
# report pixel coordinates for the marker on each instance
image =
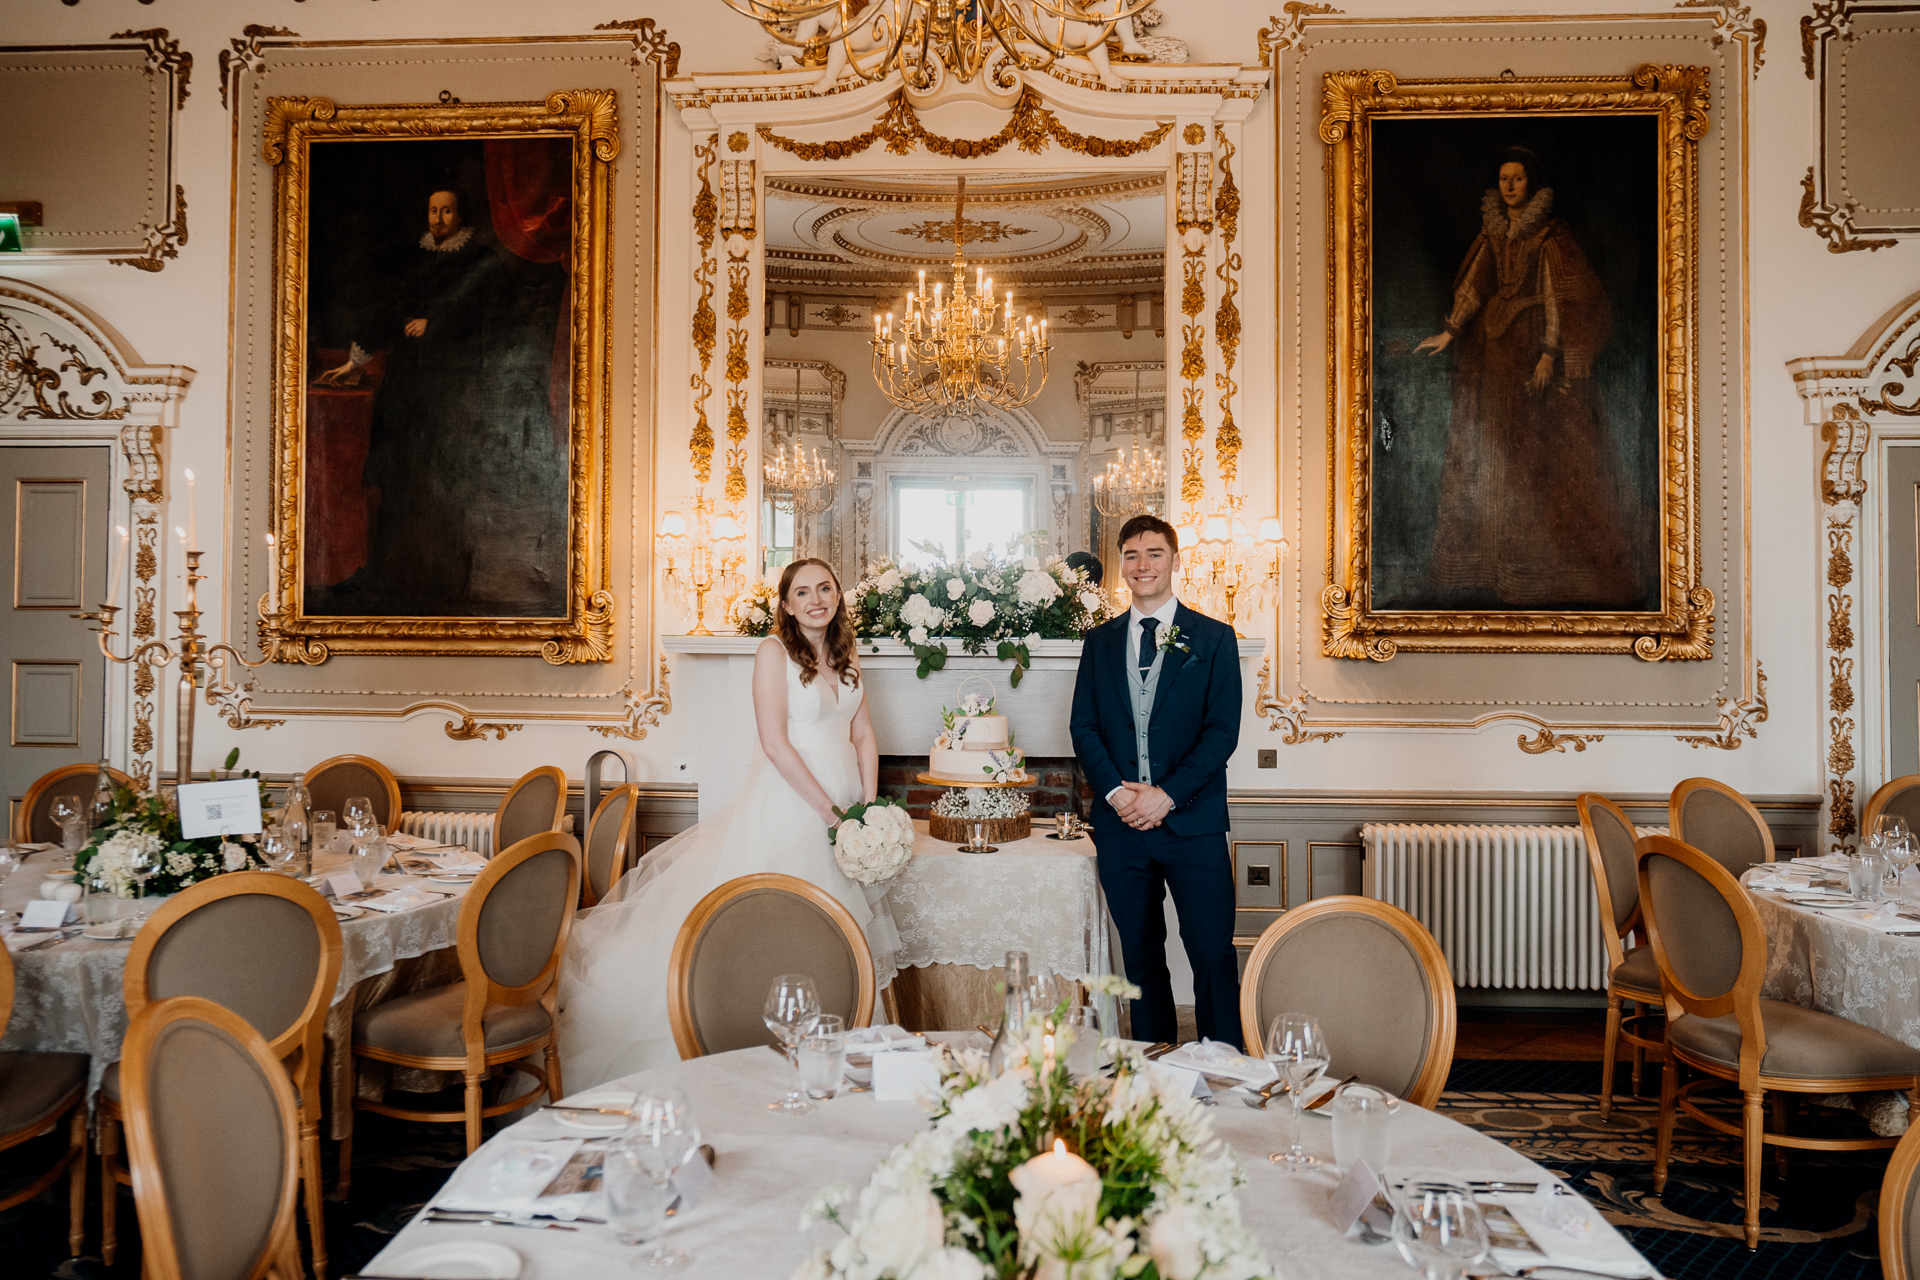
(874, 841)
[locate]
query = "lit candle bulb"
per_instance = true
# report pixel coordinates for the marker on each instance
(119, 565)
(273, 579)
(1051, 1172)
(192, 539)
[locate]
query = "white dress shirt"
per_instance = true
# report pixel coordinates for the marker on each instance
(1164, 616)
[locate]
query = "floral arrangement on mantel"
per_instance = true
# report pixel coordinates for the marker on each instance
(1035, 1175)
(1012, 601)
(752, 613)
(143, 821)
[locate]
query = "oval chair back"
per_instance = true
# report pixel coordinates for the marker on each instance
(210, 1132)
(33, 820)
(536, 803)
(1717, 820)
(515, 921)
(1375, 980)
(608, 833)
(1713, 958)
(1610, 836)
(1900, 1210)
(740, 938)
(1901, 797)
(334, 781)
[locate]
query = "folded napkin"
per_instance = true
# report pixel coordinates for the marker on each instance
(1835, 860)
(1210, 1057)
(507, 1175)
(1779, 880)
(887, 1036)
(20, 939)
(1565, 1228)
(1884, 916)
(405, 898)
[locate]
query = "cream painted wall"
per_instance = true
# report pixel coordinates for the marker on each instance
(1804, 301)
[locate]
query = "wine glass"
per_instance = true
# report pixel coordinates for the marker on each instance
(793, 1006)
(1296, 1047)
(9, 863)
(1902, 851)
(359, 816)
(660, 1137)
(142, 862)
(1888, 827)
(278, 850)
(67, 812)
(1438, 1229)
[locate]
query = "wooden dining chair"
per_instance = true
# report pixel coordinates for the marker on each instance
(1712, 953)
(536, 803)
(1901, 796)
(211, 1134)
(334, 781)
(32, 818)
(1375, 980)
(609, 833)
(1900, 1210)
(1633, 976)
(1717, 820)
(512, 935)
(38, 1090)
(740, 938)
(267, 947)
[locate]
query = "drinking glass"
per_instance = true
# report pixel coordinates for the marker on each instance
(792, 1008)
(73, 823)
(9, 863)
(358, 811)
(1438, 1229)
(101, 905)
(141, 864)
(661, 1136)
(1902, 851)
(1867, 874)
(369, 853)
(1044, 992)
(276, 850)
(1887, 827)
(1082, 1029)
(1363, 1126)
(1296, 1047)
(325, 827)
(823, 1057)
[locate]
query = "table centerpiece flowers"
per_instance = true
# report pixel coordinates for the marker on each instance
(143, 821)
(1012, 601)
(1034, 1175)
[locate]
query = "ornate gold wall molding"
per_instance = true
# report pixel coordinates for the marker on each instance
(164, 57)
(1285, 716)
(1860, 192)
(244, 53)
(1281, 34)
(650, 43)
(1738, 717)
(705, 325)
(1031, 125)
(1835, 226)
(1735, 21)
(643, 710)
(163, 241)
(1226, 316)
(467, 729)
(1548, 739)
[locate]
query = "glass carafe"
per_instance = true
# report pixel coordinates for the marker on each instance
(100, 811)
(293, 812)
(1013, 1017)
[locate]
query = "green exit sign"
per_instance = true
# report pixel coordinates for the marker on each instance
(9, 233)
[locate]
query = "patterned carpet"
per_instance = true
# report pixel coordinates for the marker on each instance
(1819, 1224)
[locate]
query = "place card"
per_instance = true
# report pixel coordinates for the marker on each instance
(902, 1075)
(208, 808)
(1355, 1192)
(45, 913)
(344, 885)
(1184, 1082)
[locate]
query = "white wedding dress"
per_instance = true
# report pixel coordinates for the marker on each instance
(613, 989)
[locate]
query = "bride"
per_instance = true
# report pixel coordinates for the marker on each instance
(815, 750)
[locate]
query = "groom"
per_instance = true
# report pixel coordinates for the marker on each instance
(1156, 714)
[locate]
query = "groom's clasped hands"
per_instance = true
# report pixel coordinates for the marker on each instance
(1141, 805)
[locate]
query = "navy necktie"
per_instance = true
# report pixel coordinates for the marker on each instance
(1147, 627)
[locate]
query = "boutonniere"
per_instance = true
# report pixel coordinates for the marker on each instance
(1169, 638)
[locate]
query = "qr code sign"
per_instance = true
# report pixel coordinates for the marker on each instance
(216, 811)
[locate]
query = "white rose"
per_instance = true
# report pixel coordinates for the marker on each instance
(1174, 1241)
(918, 635)
(1031, 564)
(951, 1264)
(1037, 588)
(889, 581)
(981, 612)
(1090, 601)
(756, 615)
(979, 561)
(234, 857)
(955, 588)
(901, 1231)
(1033, 638)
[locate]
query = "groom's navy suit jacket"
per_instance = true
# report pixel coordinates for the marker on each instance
(1193, 730)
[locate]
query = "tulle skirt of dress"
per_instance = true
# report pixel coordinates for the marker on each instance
(613, 988)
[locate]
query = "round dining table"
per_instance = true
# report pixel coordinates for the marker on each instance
(767, 1166)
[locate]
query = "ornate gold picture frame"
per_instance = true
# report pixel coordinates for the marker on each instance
(1512, 413)
(440, 400)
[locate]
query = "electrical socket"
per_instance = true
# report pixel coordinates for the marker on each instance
(1269, 758)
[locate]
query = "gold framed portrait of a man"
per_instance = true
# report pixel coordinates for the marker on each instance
(440, 417)
(1512, 279)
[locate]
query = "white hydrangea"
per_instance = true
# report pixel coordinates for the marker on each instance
(1037, 588)
(955, 588)
(981, 612)
(113, 861)
(919, 611)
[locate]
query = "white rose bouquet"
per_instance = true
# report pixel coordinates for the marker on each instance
(752, 613)
(874, 841)
(979, 1194)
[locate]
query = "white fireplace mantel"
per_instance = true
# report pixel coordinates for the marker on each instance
(713, 686)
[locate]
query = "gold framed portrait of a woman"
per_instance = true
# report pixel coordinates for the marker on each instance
(1513, 350)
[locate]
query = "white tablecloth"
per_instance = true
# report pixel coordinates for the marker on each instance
(1035, 895)
(1820, 961)
(768, 1166)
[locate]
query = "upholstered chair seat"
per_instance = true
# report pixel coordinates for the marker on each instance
(426, 1024)
(1637, 970)
(1801, 1043)
(36, 1090)
(33, 1085)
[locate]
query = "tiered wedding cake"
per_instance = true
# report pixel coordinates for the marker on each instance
(975, 745)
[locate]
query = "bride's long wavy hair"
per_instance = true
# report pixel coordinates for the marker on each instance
(840, 638)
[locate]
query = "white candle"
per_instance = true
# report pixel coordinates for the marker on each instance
(181, 534)
(1051, 1171)
(273, 578)
(193, 541)
(119, 565)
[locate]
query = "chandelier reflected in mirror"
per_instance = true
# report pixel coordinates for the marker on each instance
(920, 38)
(1134, 483)
(802, 483)
(948, 352)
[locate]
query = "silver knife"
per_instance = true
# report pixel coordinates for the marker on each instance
(435, 1220)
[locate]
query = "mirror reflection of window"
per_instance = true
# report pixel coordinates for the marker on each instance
(959, 517)
(779, 529)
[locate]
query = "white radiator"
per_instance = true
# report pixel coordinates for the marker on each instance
(474, 830)
(1511, 906)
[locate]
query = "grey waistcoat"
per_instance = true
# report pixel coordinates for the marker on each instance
(1142, 687)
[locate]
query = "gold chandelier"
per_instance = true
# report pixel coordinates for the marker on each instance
(1133, 483)
(920, 38)
(805, 483)
(946, 356)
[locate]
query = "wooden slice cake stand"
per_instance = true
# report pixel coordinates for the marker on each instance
(958, 830)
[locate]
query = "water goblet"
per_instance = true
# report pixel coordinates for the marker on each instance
(9, 863)
(1296, 1047)
(1902, 852)
(66, 811)
(1081, 1026)
(660, 1137)
(142, 862)
(1867, 874)
(325, 826)
(369, 854)
(792, 1008)
(823, 1057)
(1438, 1229)
(358, 812)
(1887, 827)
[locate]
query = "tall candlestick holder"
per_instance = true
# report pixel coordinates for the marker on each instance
(188, 648)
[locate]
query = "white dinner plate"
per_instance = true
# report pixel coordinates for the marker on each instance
(455, 877)
(593, 1121)
(111, 931)
(1837, 900)
(348, 912)
(457, 1260)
